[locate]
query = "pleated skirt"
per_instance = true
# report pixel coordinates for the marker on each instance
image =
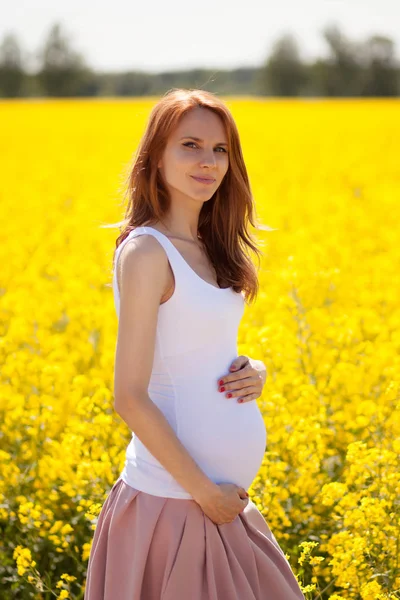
(149, 547)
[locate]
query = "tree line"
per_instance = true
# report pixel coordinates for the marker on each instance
(367, 68)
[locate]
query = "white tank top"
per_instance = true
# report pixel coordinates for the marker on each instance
(196, 341)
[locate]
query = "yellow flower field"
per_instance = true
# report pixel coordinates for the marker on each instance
(326, 178)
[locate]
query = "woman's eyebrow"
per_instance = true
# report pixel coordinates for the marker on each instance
(192, 137)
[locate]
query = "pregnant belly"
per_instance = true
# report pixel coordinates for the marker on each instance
(225, 438)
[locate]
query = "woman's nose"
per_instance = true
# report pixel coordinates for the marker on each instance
(208, 158)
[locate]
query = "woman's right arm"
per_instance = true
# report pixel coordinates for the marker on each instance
(143, 269)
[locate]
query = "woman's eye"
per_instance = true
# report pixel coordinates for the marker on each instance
(188, 143)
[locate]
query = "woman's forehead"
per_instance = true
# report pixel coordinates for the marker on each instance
(204, 124)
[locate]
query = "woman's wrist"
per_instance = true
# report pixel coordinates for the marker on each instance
(204, 490)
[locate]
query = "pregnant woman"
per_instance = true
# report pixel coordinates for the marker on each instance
(178, 523)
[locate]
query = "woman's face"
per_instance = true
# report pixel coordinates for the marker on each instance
(185, 158)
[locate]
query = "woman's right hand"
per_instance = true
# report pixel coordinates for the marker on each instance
(223, 505)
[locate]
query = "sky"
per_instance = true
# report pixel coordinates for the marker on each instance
(155, 35)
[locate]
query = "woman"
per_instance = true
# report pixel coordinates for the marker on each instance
(178, 523)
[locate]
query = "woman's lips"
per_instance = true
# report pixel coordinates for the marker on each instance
(203, 180)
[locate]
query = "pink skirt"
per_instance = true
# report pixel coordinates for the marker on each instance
(149, 547)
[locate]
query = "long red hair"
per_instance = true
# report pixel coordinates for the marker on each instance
(224, 219)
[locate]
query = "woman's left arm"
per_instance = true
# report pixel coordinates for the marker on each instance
(246, 379)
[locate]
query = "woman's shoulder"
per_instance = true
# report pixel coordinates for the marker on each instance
(141, 256)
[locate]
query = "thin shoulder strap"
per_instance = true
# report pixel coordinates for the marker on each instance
(175, 257)
(170, 250)
(176, 260)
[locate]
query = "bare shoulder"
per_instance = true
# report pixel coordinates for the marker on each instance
(141, 258)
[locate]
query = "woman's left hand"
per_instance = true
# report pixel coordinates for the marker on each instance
(246, 379)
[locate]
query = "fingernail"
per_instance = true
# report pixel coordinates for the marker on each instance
(229, 395)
